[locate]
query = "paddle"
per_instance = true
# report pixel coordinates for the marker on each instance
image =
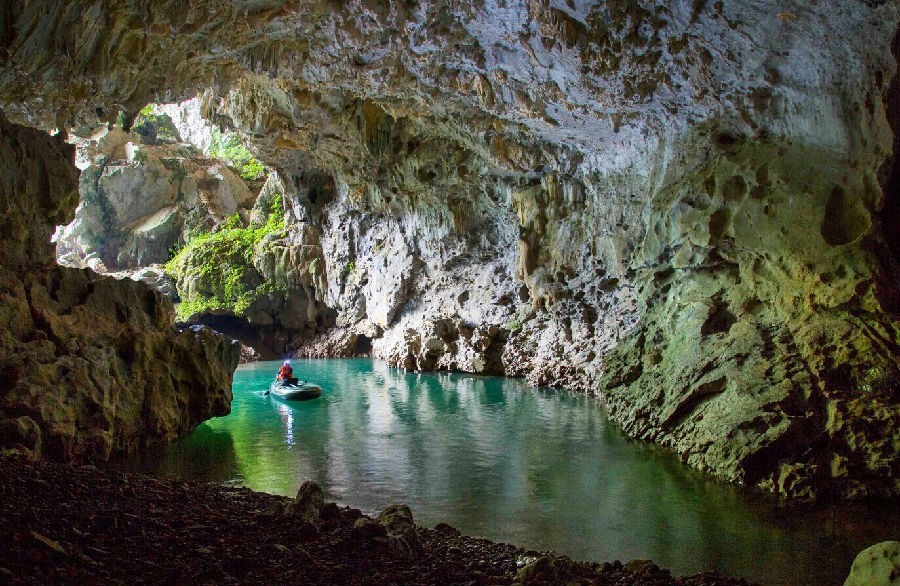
(269, 390)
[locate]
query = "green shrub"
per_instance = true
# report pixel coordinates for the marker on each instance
(223, 261)
(233, 223)
(253, 169)
(175, 249)
(229, 148)
(155, 127)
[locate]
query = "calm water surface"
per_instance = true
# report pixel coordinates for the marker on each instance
(496, 458)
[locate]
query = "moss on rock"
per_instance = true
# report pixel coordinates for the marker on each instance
(215, 271)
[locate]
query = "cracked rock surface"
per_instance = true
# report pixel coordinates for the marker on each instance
(89, 366)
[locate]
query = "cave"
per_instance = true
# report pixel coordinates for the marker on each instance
(363, 345)
(238, 329)
(688, 210)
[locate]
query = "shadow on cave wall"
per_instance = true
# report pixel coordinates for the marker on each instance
(241, 331)
(890, 179)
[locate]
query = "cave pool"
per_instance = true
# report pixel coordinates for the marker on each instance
(496, 458)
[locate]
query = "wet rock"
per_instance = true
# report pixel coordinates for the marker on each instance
(248, 354)
(350, 515)
(365, 529)
(401, 530)
(878, 565)
(546, 570)
(309, 502)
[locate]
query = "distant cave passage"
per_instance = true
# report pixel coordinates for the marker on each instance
(363, 345)
(241, 331)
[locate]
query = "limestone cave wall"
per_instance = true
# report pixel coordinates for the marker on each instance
(90, 367)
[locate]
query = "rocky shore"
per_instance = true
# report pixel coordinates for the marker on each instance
(65, 524)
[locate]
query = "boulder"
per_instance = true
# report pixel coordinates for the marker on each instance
(365, 529)
(398, 522)
(309, 502)
(878, 565)
(548, 570)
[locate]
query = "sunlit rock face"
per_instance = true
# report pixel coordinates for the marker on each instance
(138, 200)
(675, 205)
(90, 366)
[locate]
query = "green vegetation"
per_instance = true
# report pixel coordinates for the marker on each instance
(176, 247)
(233, 223)
(219, 266)
(155, 127)
(228, 147)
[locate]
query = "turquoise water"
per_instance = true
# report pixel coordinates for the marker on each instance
(498, 459)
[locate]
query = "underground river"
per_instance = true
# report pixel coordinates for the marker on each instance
(496, 458)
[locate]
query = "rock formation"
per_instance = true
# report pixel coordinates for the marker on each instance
(878, 565)
(90, 366)
(683, 207)
(139, 201)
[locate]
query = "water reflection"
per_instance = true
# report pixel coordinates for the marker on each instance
(498, 459)
(207, 453)
(287, 421)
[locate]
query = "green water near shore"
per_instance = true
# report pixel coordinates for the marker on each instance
(496, 458)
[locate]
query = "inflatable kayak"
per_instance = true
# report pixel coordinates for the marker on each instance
(298, 391)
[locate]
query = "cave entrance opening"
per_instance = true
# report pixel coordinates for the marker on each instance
(363, 346)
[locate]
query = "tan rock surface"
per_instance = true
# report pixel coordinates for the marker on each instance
(90, 366)
(878, 565)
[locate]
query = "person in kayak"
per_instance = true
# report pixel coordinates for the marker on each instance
(286, 374)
